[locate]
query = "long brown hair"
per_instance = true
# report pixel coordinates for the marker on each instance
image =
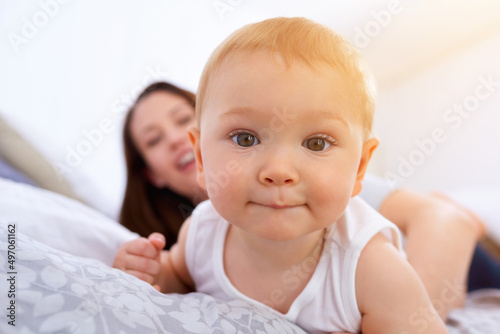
(146, 208)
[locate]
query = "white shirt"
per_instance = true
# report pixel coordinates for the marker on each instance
(328, 302)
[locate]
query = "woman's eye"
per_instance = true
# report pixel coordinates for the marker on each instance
(185, 120)
(245, 139)
(153, 141)
(318, 144)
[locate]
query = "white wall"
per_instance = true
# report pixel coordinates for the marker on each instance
(464, 150)
(79, 69)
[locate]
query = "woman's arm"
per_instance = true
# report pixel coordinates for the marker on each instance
(441, 238)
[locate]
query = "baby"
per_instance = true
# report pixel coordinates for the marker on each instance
(282, 143)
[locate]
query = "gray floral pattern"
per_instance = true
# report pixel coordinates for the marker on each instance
(57, 292)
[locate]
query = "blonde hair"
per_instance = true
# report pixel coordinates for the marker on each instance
(302, 40)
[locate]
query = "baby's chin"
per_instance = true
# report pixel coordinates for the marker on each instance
(278, 233)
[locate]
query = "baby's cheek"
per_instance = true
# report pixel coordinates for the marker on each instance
(224, 187)
(330, 201)
(228, 197)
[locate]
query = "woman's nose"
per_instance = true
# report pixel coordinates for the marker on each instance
(177, 137)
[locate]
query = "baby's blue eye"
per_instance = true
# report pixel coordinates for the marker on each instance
(245, 139)
(317, 144)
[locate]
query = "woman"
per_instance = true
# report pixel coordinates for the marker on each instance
(161, 186)
(162, 191)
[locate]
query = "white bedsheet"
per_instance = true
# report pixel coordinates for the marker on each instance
(61, 222)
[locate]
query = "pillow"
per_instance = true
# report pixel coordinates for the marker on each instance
(375, 190)
(11, 173)
(49, 168)
(25, 158)
(61, 222)
(56, 292)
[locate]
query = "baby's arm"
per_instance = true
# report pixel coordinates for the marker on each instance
(174, 275)
(441, 237)
(390, 295)
(146, 259)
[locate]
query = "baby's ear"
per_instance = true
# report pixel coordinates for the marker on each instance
(194, 136)
(368, 147)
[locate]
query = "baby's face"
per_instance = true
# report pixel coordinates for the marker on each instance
(280, 148)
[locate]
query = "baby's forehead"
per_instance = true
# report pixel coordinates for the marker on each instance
(268, 84)
(245, 68)
(262, 62)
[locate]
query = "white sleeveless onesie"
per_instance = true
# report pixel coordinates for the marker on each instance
(328, 302)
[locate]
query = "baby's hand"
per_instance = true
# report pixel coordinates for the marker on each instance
(141, 257)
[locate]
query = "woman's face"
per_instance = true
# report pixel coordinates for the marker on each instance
(159, 130)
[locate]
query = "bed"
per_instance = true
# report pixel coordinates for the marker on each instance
(63, 282)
